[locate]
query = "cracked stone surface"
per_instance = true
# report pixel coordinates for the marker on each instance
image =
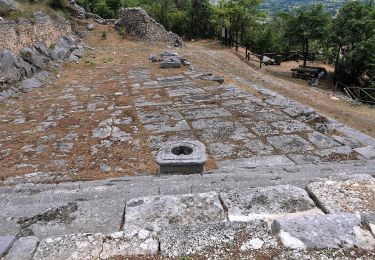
(95, 246)
(198, 239)
(23, 248)
(323, 231)
(352, 196)
(156, 213)
(266, 203)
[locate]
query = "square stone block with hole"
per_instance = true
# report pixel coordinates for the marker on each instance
(182, 157)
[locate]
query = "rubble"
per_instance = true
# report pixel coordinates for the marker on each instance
(140, 25)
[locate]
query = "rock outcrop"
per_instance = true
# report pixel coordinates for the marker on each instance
(15, 35)
(140, 25)
(15, 67)
(7, 6)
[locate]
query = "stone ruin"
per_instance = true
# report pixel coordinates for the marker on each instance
(140, 25)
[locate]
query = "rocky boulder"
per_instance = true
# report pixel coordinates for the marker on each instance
(32, 57)
(13, 68)
(140, 25)
(7, 6)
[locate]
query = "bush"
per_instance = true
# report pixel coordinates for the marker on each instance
(57, 4)
(104, 35)
(122, 32)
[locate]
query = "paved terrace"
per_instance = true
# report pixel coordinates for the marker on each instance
(282, 180)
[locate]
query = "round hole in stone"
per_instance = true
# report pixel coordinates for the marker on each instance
(182, 150)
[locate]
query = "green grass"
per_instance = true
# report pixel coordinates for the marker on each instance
(27, 10)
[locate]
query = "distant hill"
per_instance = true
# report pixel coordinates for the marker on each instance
(273, 6)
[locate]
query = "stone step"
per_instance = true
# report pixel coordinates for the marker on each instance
(98, 206)
(282, 220)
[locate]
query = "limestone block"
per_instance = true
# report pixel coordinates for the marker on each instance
(198, 239)
(23, 248)
(265, 203)
(323, 231)
(154, 214)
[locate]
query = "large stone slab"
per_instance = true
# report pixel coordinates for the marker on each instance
(265, 203)
(5, 244)
(206, 113)
(355, 196)
(175, 126)
(323, 231)
(321, 141)
(95, 246)
(291, 126)
(290, 143)
(203, 238)
(153, 214)
(23, 248)
(257, 161)
(368, 152)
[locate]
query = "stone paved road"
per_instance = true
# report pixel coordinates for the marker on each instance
(110, 119)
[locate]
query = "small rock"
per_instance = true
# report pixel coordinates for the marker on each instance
(170, 63)
(155, 58)
(90, 27)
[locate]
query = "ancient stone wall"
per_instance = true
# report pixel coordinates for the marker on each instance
(15, 35)
(140, 25)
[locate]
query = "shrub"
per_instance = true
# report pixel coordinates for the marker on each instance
(104, 35)
(122, 32)
(57, 4)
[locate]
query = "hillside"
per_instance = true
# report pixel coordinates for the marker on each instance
(273, 6)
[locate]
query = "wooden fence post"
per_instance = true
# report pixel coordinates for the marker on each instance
(260, 61)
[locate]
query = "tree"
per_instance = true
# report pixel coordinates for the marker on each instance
(200, 13)
(353, 37)
(103, 10)
(306, 24)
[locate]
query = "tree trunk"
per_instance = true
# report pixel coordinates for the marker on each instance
(306, 52)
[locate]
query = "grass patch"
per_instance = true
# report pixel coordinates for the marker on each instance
(28, 9)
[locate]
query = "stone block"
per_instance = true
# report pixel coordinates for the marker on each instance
(202, 238)
(258, 147)
(23, 248)
(290, 143)
(206, 113)
(265, 203)
(368, 152)
(353, 196)
(211, 123)
(257, 161)
(235, 132)
(183, 157)
(95, 246)
(291, 126)
(164, 127)
(323, 231)
(6, 243)
(321, 141)
(154, 214)
(221, 150)
(170, 63)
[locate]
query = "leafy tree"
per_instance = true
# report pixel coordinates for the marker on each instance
(103, 10)
(200, 13)
(306, 24)
(353, 35)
